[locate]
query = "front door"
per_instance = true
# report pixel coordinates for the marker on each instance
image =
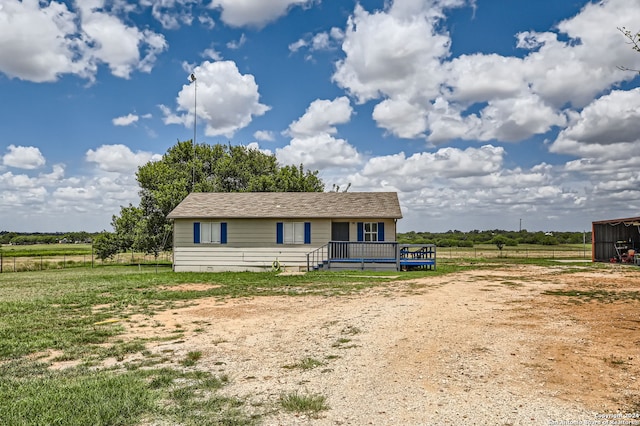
(339, 232)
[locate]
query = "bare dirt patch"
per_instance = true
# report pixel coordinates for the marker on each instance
(190, 287)
(511, 345)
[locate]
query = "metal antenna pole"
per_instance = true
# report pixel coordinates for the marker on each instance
(192, 78)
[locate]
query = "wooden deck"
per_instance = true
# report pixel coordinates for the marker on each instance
(390, 256)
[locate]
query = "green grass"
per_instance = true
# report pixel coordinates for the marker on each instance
(30, 394)
(192, 358)
(77, 314)
(46, 250)
(305, 364)
(605, 296)
(309, 403)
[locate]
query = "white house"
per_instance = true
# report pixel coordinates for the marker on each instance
(252, 231)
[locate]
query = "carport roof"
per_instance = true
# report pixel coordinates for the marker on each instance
(627, 221)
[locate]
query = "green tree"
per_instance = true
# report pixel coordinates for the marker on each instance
(203, 168)
(105, 245)
(499, 241)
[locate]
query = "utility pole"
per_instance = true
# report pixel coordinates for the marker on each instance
(192, 78)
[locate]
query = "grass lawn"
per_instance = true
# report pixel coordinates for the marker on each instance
(75, 314)
(46, 250)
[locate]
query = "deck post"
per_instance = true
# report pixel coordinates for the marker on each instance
(308, 262)
(397, 256)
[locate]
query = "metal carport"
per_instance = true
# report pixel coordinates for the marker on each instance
(606, 233)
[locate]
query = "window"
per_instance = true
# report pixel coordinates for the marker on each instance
(210, 232)
(293, 232)
(371, 231)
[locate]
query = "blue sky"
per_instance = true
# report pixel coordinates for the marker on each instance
(481, 114)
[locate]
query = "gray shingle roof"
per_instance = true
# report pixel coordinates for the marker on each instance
(374, 205)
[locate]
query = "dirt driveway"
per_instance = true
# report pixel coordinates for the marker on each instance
(512, 345)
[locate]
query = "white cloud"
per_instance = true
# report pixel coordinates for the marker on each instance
(264, 135)
(609, 120)
(294, 47)
(319, 152)
(119, 158)
(455, 188)
(480, 96)
(604, 138)
(321, 41)
(321, 117)
(425, 169)
(170, 13)
(388, 55)
(23, 157)
(255, 13)
(116, 44)
(255, 145)
(125, 120)
(80, 202)
(57, 49)
(517, 118)
(480, 77)
(313, 143)
(207, 21)
(212, 54)
(227, 101)
(401, 117)
(237, 44)
(70, 41)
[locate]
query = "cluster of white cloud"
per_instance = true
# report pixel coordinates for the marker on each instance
(226, 100)
(313, 143)
(76, 38)
(255, 13)
(50, 197)
(71, 41)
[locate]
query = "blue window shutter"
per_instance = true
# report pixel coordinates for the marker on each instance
(223, 232)
(307, 232)
(380, 231)
(279, 233)
(360, 231)
(196, 232)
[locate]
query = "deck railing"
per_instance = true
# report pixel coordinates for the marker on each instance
(389, 252)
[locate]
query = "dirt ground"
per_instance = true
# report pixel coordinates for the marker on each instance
(486, 346)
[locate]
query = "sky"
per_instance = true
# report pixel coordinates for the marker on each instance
(481, 114)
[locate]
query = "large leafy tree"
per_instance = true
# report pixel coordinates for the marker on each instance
(207, 168)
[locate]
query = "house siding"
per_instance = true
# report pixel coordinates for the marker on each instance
(251, 244)
(249, 232)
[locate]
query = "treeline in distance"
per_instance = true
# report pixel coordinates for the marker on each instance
(509, 238)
